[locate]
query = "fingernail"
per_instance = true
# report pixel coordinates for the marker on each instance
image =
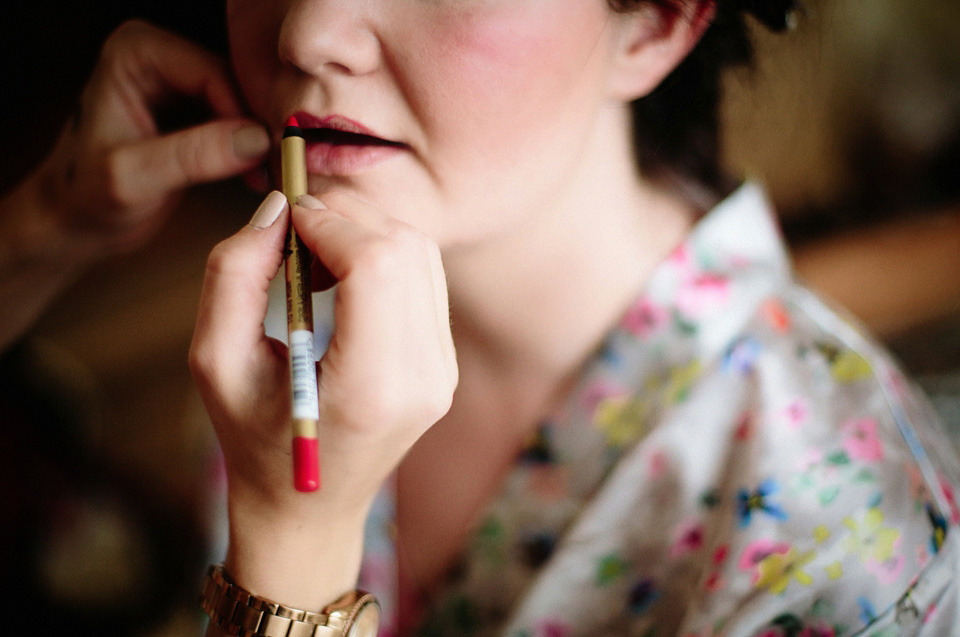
(269, 210)
(309, 201)
(250, 142)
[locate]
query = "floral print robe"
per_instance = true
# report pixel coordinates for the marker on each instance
(738, 459)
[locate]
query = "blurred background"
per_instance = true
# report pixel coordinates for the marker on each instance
(109, 475)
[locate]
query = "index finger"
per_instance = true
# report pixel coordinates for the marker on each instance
(233, 303)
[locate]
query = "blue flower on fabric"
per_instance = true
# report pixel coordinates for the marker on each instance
(742, 355)
(758, 500)
(610, 355)
(867, 612)
(939, 524)
(642, 596)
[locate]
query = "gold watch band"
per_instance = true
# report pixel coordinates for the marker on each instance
(237, 611)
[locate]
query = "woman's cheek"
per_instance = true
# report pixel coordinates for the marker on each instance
(503, 73)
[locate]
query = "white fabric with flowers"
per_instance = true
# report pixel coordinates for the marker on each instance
(737, 460)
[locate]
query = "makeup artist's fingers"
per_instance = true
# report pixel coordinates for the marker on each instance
(141, 66)
(369, 216)
(352, 208)
(352, 226)
(184, 67)
(390, 363)
(153, 168)
(229, 331)
(113, 177)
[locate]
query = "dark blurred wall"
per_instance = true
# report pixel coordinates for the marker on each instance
(855, 115)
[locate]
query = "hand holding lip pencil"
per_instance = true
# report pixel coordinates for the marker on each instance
(303, 370)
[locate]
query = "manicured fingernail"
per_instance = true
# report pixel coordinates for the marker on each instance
(250, 142)
(269, 210)
(309, 201)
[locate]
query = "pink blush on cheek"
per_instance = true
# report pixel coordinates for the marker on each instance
(509, 42)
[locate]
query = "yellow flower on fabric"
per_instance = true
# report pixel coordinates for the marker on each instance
(821, 534)
(870, 539)
(681, 379)
(611, 567)
(835, 570)
(777, 569)
(849, 367)
(622, 419)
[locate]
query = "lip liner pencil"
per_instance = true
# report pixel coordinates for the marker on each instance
(303, 370)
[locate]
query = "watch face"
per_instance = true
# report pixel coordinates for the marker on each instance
(367, 621)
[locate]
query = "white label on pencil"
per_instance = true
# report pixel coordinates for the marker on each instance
(303, 375)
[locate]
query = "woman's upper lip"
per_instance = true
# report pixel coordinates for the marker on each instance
(336, 122)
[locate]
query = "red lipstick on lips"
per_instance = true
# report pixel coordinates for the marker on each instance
(339, 146)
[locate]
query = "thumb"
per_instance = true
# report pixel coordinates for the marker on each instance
(151, 169)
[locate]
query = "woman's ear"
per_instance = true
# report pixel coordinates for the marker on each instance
(653, 40)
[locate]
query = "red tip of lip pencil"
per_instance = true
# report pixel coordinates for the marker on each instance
(293, 121)
(306, 464)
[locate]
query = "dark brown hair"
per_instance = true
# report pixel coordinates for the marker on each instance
(676, 126)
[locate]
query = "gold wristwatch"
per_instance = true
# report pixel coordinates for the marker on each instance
(237, 611)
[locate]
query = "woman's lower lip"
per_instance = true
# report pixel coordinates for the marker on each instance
(340, 160)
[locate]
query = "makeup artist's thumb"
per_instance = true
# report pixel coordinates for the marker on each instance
(216, 150)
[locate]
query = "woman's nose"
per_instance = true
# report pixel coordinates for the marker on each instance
(330, 36)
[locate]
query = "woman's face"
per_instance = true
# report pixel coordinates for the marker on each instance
(456, 116)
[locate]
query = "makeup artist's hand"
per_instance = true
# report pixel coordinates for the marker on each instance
(113, 174)
(388, 375)
(113, 177)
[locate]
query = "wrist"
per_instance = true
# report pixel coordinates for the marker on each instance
(305, 556)
(235, 610)
(33, 234)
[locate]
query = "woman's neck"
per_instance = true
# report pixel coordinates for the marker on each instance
(535, 304)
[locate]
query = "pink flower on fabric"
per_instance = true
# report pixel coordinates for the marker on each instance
(759, 550)
(600, 391)
(715, 582)
(811, 459)
(744, 428)
(681, 257)
(553, 628)
(795, 414)
(861, 441)
(887, 571)
(720, 555)
(657, 464)
(947, 489)
(703, 293)
(776, 314)
(820, 630)
(923, 555)
(918, 485)
(687, 539)
(645, 318)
